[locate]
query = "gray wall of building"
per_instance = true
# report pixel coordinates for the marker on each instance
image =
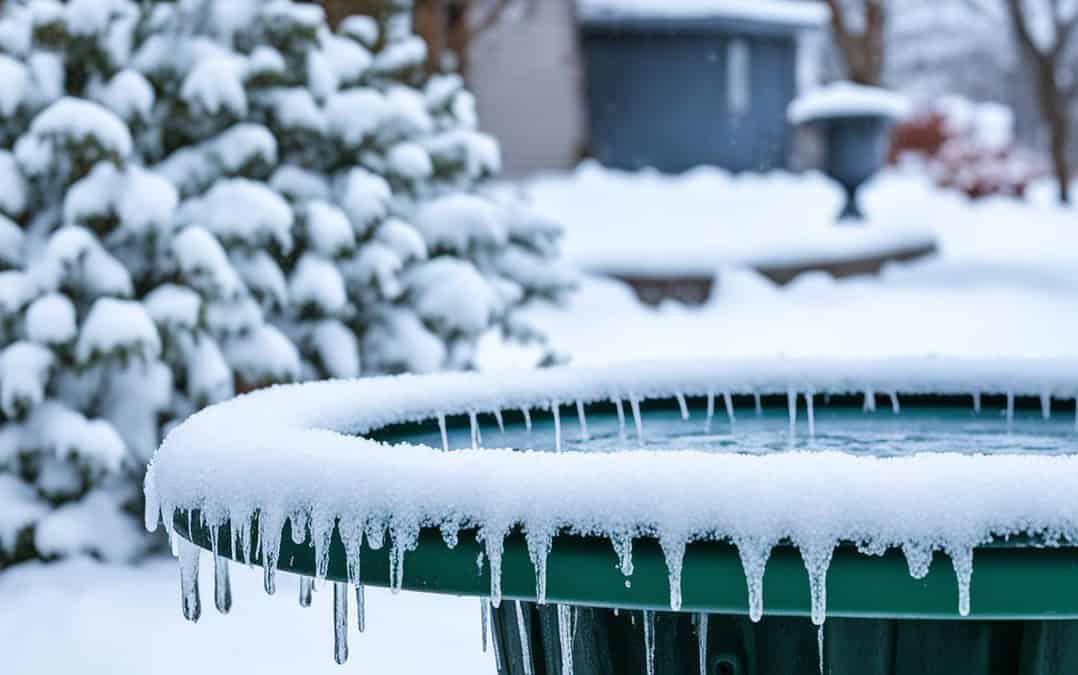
(525, 73)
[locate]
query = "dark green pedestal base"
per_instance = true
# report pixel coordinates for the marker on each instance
(609, 644)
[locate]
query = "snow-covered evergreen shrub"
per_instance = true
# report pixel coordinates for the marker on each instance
(198, 198)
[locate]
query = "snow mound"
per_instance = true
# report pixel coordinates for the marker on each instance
(847, 99)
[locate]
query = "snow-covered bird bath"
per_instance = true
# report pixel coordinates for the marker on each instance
(645, 517)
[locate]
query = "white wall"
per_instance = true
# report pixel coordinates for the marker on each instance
(525, 73)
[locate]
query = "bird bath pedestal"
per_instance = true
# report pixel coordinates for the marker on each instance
(676, 518)
(853, 123)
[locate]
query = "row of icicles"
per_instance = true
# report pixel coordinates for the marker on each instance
(727, 399)
(188, 553)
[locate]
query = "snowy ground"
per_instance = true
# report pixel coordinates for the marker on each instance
(1005, 281)
(82, 617)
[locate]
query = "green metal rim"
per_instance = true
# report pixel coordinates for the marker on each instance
(1010, 581)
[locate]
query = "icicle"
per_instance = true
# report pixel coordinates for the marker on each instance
(894, 402)
(791, 404)
(192, 601)
(1076, 414)
(649, 640)
(361, 608)
(728, 401)
(340, 622)
(556, 412)
(306, 586)
(582, 420)
(525, 644)
(565, 638)
(757, 404)
(495, 640)
(484, 621)
(710, 410)
(322, 524)
(817, 558)
(445, 434)
(242, 540)
(621, 417)
(976, 403)
(962, 561)
(151, 515)
(495, 545)
(674, 553)
(754, 556)
(270, 524)
(701, 641)
(682, 406)
(1046, 405)
(1010, 409)
(811, 413)
(918, 559)
(499, 420)
(527, 419)
(396, 565)
(474, 424)
(819, 645)
(638, 421)
(623, 546)
(222, 586)
(870, 401)
(538, 551)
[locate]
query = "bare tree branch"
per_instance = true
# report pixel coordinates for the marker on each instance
(862, 51)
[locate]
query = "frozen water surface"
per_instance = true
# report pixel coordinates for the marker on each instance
(917, 429)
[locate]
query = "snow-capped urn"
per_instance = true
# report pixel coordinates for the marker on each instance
(854, 122)
(200, 198)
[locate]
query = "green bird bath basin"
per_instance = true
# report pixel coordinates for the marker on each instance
(593, 609)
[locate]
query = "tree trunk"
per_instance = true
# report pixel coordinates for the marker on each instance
(1055, 109)
(863, 52)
